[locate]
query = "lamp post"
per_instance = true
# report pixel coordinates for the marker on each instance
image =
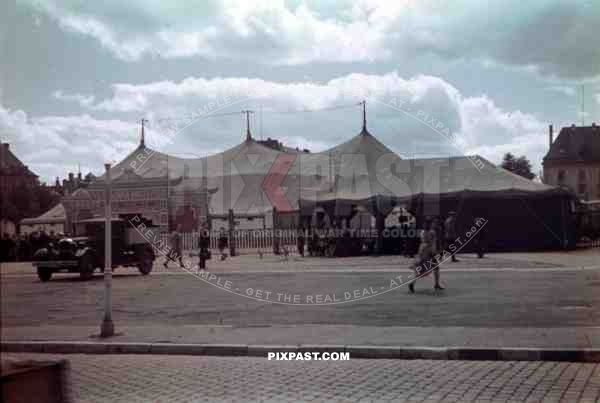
(107, 329)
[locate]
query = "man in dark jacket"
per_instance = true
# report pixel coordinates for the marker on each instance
(4, 248)
(481, 237)
(223, 243)
(204, 245)
(301, 240)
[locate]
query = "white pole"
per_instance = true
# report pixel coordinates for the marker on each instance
(107, 328)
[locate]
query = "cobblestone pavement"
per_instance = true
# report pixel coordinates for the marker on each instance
(131, 378)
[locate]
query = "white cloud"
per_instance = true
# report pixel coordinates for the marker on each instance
(82, 100)
(552, 37)
(563, 89)
(53, 145)
(480, 125)
(492, 132)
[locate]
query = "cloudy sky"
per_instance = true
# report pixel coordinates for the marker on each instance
(76, 76)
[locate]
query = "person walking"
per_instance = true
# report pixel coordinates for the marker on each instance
(175, 247)
(428, 249)
(450, 233)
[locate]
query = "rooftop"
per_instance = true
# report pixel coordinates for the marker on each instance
(576, 144)
(8, 161)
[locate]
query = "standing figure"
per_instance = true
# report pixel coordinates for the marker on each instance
(204, 245)
(428, 249)
(439, 234)
(481, 237)
(301, 241)
(412, 240)
(223, 242)
(4, 248)
(11, 246)
(175, 247)
(450, 233)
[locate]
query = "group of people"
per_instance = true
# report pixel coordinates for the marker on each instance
(14, 248)
(204, 254)
(439, 240)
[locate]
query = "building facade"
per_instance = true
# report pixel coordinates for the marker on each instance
(167, 203)
(573, 161)
(13, 173)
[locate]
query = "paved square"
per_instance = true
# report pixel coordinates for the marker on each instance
(146, 378)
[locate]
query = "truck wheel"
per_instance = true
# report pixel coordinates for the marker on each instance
(145, 267)
(86, 267)
(44, 275)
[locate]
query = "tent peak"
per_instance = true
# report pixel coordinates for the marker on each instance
(248, 133)
(364, 130)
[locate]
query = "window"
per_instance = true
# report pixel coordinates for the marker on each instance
(561, 177)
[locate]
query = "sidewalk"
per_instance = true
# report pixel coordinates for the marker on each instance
(164, 378)
(558, 337)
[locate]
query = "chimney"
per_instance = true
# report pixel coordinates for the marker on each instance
(550, 136)
(3, 154)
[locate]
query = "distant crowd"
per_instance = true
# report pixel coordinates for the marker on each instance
(20, 248)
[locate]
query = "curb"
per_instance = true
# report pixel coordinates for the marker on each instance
(240, 350)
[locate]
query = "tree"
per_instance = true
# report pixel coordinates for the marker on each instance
(25, 201)
(520, 166)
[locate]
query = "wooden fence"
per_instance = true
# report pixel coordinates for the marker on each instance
(243, 239)
(595, 243)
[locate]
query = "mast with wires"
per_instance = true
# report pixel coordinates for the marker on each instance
(582, 105)
(364, 113)
(248, 134)
(142, 138)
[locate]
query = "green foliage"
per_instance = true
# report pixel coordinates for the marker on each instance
(26, 201)
(520, 166)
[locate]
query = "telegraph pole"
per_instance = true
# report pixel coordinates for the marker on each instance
(107, 329)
